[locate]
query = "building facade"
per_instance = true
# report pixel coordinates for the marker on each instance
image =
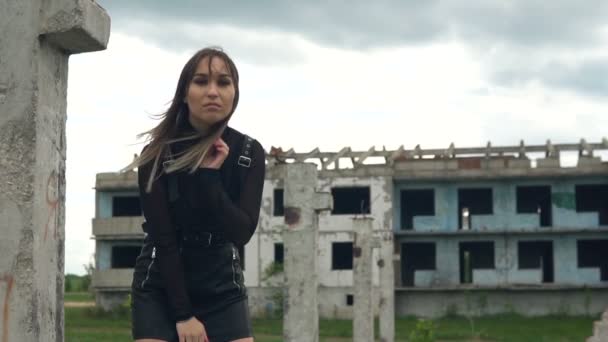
(475, 230)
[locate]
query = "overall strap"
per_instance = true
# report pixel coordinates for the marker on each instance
(245, 157)
(245, 161)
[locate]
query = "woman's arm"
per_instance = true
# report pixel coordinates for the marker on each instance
(162, 232)
(238, 220)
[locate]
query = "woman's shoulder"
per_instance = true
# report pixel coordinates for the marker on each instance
(237, 136)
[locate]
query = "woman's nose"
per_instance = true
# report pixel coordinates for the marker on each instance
(212, 91)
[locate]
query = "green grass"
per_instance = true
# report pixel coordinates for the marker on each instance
(508, 328)
(79, 297)
(91, 325)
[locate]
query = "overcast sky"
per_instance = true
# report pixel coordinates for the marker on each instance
(342, 73)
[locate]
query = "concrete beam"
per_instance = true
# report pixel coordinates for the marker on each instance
(387, 286)
(118, 227)
(116, 181)
(363, 322)
(36, 43)
(76, 25)
(300, 237)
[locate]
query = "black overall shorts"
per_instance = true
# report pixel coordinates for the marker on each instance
(214, 281)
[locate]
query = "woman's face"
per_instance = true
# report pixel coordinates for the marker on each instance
(210, 95)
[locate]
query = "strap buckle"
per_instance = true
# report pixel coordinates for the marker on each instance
(244, 161)
(204, 239)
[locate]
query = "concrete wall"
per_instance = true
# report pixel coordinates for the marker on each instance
(37, 38)
(507, 271)
(489, 301)
(259, 252)
(105, 198)
(103, 251)
(505, 216)
(264, 301)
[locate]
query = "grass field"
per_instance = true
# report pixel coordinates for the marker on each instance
(79, 297)
(91, 325)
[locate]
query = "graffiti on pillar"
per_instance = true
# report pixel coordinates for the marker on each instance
(292, 216)
(52, 201)
(8, 279)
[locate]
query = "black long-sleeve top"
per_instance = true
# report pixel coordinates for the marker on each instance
(218, 204)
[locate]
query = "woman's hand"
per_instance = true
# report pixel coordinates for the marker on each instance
(216, 155)
(191, 330)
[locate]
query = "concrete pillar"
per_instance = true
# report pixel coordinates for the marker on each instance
(37, 38)
(300, 238)
(600, 330)
(387, 287)
(363, 322)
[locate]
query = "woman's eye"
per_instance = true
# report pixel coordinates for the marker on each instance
(225, 82)
(200, 81)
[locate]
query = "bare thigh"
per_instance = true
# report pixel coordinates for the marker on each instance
(248, 339)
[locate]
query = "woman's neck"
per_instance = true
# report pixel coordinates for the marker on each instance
(198, 126)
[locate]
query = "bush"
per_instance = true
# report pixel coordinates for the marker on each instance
(423, 332)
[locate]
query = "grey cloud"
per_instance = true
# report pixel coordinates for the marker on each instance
(264, 49)
(588, 77)
(347, 24)
(369, 24)
(534, 23)
(500, 126)
(524, 31)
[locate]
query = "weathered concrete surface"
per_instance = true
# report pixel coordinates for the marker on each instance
(386, 291)
(300, 236)
(363, 322)
(600, 330)
(33, 85)
(110, 300)
(116, 181)
(478, 301)
(124, 227)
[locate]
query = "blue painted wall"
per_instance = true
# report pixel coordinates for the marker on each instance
(507, 271)
(105, 201)
(103, 251)
(505, 216)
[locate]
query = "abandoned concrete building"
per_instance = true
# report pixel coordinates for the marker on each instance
(475, 230)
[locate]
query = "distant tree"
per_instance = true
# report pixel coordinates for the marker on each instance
(86, 279)
(68, 284)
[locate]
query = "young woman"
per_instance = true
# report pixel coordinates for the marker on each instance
(200, 186)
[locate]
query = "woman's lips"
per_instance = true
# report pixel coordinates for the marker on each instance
(212, 106)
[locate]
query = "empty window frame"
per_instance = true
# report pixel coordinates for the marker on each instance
(351, 200)
(593, 198)
(474, 256)
(418, 202)
(279, 253)
(593, 253)
(124, 256)
(350, 300)
(416, 256)
(342, 256)
(535, 200)
(536, 255)
(278, 209)
(477, 201)
(126, 206)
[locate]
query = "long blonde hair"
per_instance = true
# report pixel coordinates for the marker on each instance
(171, 127)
